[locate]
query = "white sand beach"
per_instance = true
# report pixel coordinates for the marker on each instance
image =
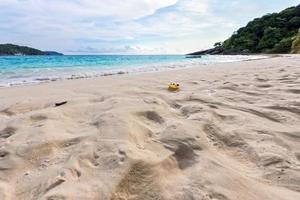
(231, 133)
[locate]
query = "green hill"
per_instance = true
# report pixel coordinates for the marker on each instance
(11, 49)
(272, 33)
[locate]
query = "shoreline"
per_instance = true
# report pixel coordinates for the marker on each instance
(121, 73)
(116, 72)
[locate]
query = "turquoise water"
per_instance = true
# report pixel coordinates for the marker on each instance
(16, 70)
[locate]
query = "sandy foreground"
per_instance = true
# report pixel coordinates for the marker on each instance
(231, 133)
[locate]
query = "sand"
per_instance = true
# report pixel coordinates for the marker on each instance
(231, 133)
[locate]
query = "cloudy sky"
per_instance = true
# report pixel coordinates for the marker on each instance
(127, 26)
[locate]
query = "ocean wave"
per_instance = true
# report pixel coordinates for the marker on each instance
(35, 75)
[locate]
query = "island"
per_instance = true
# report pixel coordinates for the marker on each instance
(16, 50)
(272, 33)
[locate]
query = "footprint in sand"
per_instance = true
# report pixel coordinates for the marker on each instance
(152, 116)
(188, 110)
(294, 91)
(264, 86)
(260, 79)
(7, 112)
(38, 117)
(122, 155)
(3, 154)
(7, 132)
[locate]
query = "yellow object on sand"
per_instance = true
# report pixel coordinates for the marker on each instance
(173, 87)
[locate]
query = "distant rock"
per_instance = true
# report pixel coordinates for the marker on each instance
(213, 51)
(219, 51)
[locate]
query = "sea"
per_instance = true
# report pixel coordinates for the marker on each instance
(23, 70)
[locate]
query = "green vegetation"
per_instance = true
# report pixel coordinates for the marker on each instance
(272, 33)
(296, 43)
(11, 49)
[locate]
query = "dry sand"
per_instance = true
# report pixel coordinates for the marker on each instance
(232, 132)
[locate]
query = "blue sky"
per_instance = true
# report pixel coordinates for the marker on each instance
(127, 26)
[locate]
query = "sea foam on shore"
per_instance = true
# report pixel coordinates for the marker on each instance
(23, 70)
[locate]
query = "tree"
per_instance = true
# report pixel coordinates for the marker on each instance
(270, 38)
(296, 43)
(284, 46)
(218, 44)
(270, 33)
(294, 22)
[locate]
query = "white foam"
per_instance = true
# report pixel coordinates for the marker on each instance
(25, 76)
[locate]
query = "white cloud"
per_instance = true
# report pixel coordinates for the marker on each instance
(100, 26)
(120, 10)
(196, 6)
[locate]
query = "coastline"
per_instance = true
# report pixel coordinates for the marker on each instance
(231, 132)
(35, 72)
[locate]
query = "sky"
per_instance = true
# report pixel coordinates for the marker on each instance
(127, 26)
